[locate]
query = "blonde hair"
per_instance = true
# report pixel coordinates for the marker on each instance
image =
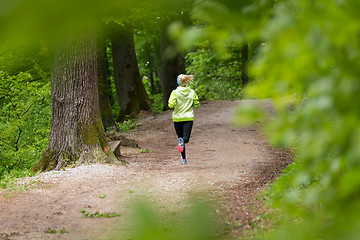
(185, 80)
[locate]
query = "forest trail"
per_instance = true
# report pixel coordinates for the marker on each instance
(230, 164)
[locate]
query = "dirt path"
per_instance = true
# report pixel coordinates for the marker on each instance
(228, 163)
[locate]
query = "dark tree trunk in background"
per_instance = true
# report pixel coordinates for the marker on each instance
(131, 93)
(172, 64)
(244, 64)
(77, 133)
(152, 86)
(103, 84)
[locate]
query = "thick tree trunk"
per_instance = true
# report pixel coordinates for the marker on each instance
(104, 96)
(131, 93)
(244, 64)
(77, 133)
(172, 64)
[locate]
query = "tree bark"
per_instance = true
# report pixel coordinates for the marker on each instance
(77, 134)
(244, 64)
(172, 64)
(131, 93)
(103, 84)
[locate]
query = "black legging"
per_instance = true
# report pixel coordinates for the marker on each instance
(183, 130)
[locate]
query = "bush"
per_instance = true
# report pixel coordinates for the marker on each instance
(25, 116)
(308, 68)
(215, 79)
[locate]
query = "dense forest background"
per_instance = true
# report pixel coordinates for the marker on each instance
(302, 54)
(26, 92)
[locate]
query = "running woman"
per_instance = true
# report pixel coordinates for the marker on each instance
(182, 100)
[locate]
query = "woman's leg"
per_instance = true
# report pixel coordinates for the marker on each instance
(179, 128)
(183, 130)
(187, 127)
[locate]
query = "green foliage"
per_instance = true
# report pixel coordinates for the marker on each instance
(241, 22)
(50, 231)
(54, 231)
(25, 111)
(128, 124)
(196, 222)
(110, 74)
(157, 101)
(154, 92)
(8, 181)
(307, 64)
(96, 214)
(147, 45)
(63, 231)
(215, 78)
(146, 150)
(308, 67)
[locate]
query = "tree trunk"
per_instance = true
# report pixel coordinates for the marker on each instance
(244, 64)
(152, 86)
(172, 64)
(131, 93)
(77, 133)
(104, 96)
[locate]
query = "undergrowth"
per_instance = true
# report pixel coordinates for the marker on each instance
(9, 180)
(273, 215)
(128, 124)
(197, 220)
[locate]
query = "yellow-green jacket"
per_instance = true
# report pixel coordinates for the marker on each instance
(183, 99)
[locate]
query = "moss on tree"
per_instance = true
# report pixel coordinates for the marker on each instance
(46, 162)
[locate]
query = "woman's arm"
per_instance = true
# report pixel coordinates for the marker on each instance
(196, 102)
(172, 100)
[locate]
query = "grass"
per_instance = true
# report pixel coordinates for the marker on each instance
(97, 214)
(146, 150)
(54, 231)
(9, 181)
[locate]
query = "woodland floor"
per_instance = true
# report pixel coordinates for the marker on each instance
(228, 165)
